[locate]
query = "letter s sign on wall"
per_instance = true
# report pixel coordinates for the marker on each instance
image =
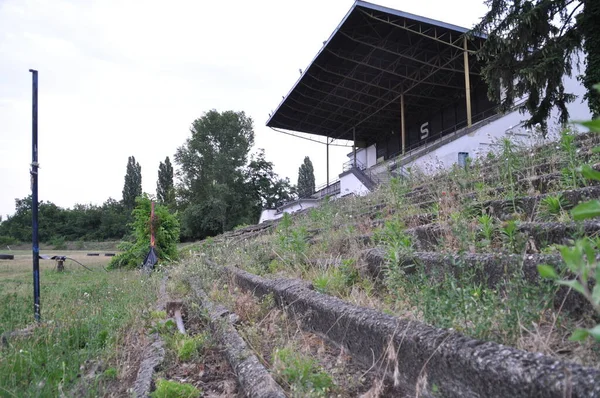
(424, 130)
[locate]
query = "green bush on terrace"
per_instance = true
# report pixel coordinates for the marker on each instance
(166, 231)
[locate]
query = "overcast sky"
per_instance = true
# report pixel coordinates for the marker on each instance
(120, 78)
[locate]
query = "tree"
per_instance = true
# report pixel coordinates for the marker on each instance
(266, 188)
(165, 191)
(166, 232)
(531, 45)
(133, 183)
(306, 179)
(211, 172)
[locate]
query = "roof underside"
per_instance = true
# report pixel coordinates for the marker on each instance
(374, 56)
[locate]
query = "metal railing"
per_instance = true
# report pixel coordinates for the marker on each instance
(350, 164)
(327, 190)
(446, 134)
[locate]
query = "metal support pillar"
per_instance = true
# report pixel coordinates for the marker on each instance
(467, 82)
(327, 145)
(354, 144)
(402, 125)
(34, 196)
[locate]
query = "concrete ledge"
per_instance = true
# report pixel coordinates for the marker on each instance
(153, 354)
(425, 360)
(253, 377)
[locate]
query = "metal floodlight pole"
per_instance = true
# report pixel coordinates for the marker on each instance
(467, 82)
(34, 196)
(354, 144)
(327, 146)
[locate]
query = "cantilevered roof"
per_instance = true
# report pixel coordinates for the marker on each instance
(373, 56)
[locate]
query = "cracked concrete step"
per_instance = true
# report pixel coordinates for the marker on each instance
(254, 379)
(419, 356)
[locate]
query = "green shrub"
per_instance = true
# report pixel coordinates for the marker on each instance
(173, 389)
(166, 232)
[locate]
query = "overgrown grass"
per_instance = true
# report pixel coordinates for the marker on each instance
(85, 316)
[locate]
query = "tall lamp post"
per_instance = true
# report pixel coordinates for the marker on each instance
(34, 195)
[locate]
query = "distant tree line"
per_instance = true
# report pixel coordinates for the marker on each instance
(218, 185)
(82, 222)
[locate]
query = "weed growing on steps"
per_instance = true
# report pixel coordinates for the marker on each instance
(487, 229)
(395, 241)
(324, 214)
(173, 389)
(552, 208)
(511, 164)
(398, 189)
(570, 177)
(514, 239)
(291, 241)
(189, 348)
(302, 373)
(337, 281)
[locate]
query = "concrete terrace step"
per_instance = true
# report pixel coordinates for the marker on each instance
(409, 351)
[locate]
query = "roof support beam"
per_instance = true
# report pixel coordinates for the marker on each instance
(419, 32)
(354, 70)
(352, 79)
(335, 95)
(391, 90)
(352, 110)
(407, 77)
(361, 81)
(397, 97)
(420, 61)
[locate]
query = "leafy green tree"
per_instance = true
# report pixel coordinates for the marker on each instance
(113, 220)
(266, 188)
(82, 222)
(165, 190)
(211, 175)
(133, 183)
(531, 45)
(306, 179)
(166, 232)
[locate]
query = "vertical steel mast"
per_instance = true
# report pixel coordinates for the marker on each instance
(34, 195)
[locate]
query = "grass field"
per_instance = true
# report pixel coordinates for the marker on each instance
(86, 317)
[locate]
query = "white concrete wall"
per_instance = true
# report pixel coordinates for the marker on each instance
(299, 205)
(267, 214)
(288, 208)
(349, 184)
(483, 140)
(366, 156)
(371, 156)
